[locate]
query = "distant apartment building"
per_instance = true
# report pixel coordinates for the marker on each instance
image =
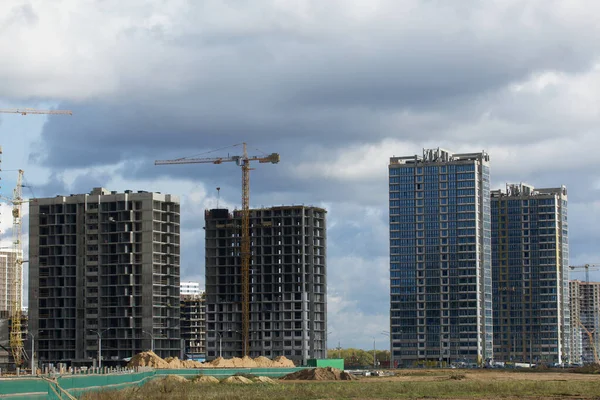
(440, 258)
(8, 284)
(288, 283)
(190, 288)
(193, 323)
(104, 264)
(530, 261)
(585, 321)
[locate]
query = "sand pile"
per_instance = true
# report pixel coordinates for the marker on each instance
(282, 362)
(220, 362)
(174, 379)
(150, 359)
(147, 359)
(205, 379)
(264, 379)
(263, 362)
(237, 379)
(320, 374)
(176, 363)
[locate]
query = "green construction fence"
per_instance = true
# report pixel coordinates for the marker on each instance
(63, 387)
(326, 362)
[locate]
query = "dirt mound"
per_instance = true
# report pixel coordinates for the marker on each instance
(147, 359)
(205, 379)
(320, 374)
(150, 359)
(283, 362)
(220, 362)
(264, 379)
(174, 379)
(237, 379)
(263, 362)
(247, 362)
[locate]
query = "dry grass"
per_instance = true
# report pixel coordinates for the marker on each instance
(452, 385)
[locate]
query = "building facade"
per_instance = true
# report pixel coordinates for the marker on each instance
(585, 321)
(190, 288)
(440, 258)
(288, 283)
(193, 325)
(8, 283)
(530, 260)
(104, 266)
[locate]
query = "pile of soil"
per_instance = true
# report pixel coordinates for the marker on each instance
(282, 362)
(176, 363)
(237, 379)
(150, 359)
(205, 379)
(320, 374)
(264, 379)
(147, 359)
(174, 379)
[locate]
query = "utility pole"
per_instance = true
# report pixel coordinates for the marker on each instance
(374, 354)
(33, 368)
(220, 344)
(100, 333)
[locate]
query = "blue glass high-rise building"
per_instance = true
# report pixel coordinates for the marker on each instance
(530, 259)
(440, 258)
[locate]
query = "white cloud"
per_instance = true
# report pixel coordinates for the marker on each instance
(337, 86)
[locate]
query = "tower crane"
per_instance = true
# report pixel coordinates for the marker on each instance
(589, 313)
(16, 338)
(242, 161)
(25, 111)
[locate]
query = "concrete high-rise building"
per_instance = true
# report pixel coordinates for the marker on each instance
(104, 264)
(193, 325)
(288, 283)
(530, 259)
(8, 286)
(440, 258)
(190, 288)
(585, 321)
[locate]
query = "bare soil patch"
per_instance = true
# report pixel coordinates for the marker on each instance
(320, 374)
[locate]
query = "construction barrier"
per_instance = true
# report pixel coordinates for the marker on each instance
(67, 387)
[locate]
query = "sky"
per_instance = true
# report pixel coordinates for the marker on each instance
(335, 87)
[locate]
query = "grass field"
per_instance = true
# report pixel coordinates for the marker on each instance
(442, 384)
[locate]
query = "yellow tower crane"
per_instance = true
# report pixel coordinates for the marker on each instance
(16, 338)
(589, 313)
(243, 161)
(25, 111)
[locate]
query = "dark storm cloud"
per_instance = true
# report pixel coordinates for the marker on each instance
(320, 83)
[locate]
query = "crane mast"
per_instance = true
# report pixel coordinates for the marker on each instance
(16, 338)
(244, 162)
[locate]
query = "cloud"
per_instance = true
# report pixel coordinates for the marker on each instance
(335, 87)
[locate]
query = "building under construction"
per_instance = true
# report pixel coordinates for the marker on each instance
(585, 320)
(104, 265)
(8, 283)
(193, 324)
(530, 259)
(288, 283)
